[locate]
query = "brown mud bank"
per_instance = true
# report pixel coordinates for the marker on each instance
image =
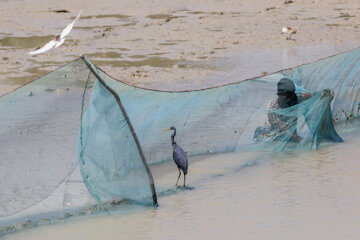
(191, 43)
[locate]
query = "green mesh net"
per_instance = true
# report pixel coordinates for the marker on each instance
(77, 141)
(303, 126)
(39, 127)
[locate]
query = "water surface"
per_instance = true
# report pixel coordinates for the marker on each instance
(312, 195)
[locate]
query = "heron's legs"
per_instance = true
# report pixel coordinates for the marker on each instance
(178, 177)
(184, 179)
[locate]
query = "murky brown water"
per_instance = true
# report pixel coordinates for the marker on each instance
(312, 195)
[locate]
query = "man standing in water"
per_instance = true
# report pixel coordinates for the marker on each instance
(283, 122)
(287, 97)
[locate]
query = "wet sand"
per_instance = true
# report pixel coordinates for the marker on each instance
(149, 43)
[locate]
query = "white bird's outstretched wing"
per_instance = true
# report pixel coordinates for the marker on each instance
(59, 41)
(68, 28)
(45, 48)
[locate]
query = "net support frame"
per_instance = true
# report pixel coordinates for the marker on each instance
(127, 119)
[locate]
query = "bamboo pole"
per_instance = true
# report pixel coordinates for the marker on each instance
(123, 111)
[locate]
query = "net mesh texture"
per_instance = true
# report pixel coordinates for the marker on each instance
(66, 147)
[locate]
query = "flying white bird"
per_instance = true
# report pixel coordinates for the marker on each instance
(59, 40)
(289, 30)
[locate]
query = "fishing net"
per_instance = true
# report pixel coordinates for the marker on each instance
(42, 176)
(40, 121)
(340, 74)
(303, 126)
(77, 140)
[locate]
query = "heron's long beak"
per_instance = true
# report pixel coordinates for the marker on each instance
(166, 129)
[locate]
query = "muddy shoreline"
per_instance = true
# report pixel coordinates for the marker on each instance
(156, 44)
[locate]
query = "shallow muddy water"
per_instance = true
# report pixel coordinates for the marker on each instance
(313, 195)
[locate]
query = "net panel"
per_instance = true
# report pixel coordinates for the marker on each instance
(303, 126)
(224, 119)
(58, 161)
(109, 159)
(42, 180)
(38, 138)
(341, 74)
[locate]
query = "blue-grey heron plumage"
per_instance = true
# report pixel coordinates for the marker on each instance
(179, 156)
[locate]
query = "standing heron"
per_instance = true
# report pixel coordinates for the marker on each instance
(179, 156)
